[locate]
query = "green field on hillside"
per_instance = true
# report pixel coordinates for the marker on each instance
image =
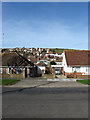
(57, 50)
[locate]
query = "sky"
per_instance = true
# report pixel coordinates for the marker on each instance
(45, 24)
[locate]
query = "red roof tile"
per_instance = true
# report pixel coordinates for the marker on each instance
(41, 64)
(77, 57)
(59, 60)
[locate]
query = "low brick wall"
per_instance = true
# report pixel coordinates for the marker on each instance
(6, 76)
(49, 76)
(77, 75)
(66, 74)
(13, 76)
(17, 76)
(83, 76)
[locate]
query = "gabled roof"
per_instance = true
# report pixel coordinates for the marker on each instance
(41, 64)
(34, 60)
(60, 53)
(59, 60)
(77, 57)
(13, 59)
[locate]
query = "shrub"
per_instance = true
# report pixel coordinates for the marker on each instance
(52, 63)
(70, 76)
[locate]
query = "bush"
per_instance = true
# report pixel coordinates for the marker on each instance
(70, 76)
(52, 63)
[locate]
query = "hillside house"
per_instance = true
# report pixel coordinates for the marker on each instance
(44, 61)
(58, 67)
(42, 66)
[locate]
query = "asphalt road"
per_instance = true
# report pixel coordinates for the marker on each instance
(65, 102)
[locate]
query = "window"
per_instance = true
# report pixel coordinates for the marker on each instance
(7, 70)
(19, 70)
(72, 69)
(0, 70)
(86, 69)
(59, 63)
(78, 69)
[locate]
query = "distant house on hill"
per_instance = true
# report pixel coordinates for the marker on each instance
(76, 61)
(58, 67)
(59, 61)
(42, 66)
(43, 61)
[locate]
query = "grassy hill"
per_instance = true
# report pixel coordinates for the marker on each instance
(57, 50)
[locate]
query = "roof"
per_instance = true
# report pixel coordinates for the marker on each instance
(77, 57)
(41, 64)
(34, 60)
(60, 53)
(59, 60)
(12, 59)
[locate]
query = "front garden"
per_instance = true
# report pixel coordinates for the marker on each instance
(8, 81)
(87, 81)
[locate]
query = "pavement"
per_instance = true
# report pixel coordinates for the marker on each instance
(36, 82)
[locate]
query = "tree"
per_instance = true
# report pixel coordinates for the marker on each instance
(52, 63)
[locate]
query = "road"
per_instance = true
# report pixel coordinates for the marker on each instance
(45, 102)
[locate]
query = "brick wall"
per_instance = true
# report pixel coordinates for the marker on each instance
(13, 76)
(83, 76)
(77, 75)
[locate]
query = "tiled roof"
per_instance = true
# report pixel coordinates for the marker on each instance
(60, 53)
(77, 57)
(12, 59)
(34, 60)
(41, 64)
(59, 60)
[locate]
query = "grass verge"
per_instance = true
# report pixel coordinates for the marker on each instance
(8, 81)
(84, 81)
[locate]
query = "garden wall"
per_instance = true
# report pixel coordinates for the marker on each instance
(13, 76)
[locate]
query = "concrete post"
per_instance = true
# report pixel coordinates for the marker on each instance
(23, 73)
(53, 72)
(11, 75)
(42, 72)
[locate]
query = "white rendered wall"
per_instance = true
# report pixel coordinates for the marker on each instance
(82, 69)
(85, 70)
(42, 68)
(39, 70)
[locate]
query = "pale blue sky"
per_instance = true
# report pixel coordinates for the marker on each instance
(63, 25)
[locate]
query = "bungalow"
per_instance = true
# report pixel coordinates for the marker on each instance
(76, 61)
(15, 65)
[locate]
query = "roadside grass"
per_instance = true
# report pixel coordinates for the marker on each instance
(8, 81)
(87, 81)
